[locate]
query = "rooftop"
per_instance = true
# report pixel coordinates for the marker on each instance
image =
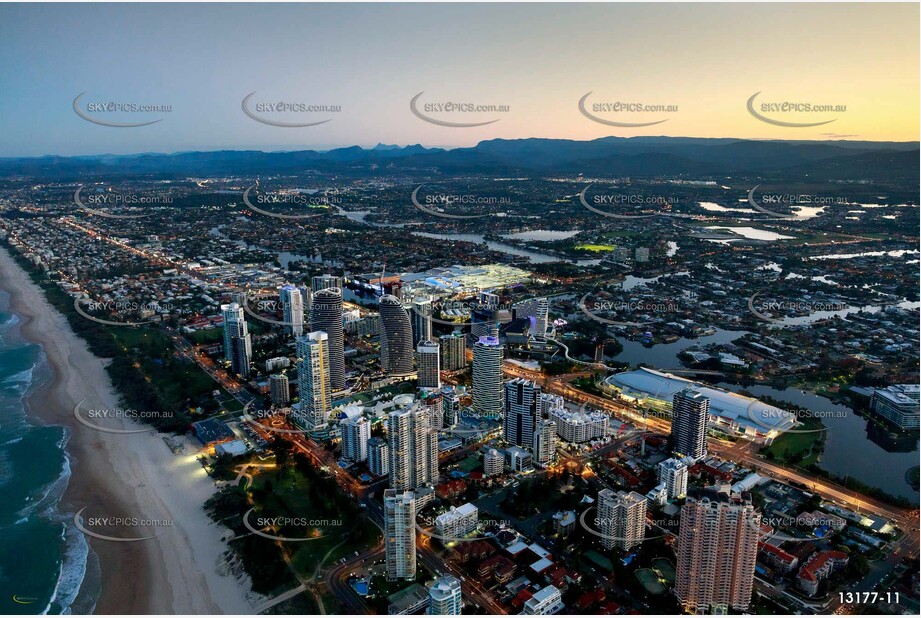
(747, 412)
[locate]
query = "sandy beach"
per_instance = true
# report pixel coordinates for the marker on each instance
(126, 475)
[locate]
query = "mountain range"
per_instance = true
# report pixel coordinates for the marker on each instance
(607, 156)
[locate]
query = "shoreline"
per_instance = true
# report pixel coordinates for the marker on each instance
(125, 475)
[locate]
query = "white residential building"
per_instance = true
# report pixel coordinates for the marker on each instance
(580, 426)
(356, 431)
(313, 380)
(445, 597)
(493, 463)
(621, 519)
(545, 602)
(458, 522)
(673, 473)
(413, 448)
(400, 534)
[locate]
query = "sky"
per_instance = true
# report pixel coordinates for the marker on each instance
(702, 62)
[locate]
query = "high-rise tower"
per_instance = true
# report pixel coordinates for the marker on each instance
(522, 411)
(428, 364)
(413, 448)
(422, 320)
(690, 413)
(621, 519)
(717, 548)
(313, 379)
(400, 534)
(326, 316)
(292, 305)
(238, 347)
(396, 337)
(487, 377)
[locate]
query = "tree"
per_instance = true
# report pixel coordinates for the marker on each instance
(281, 449)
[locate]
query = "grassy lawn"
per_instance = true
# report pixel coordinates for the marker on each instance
(210, 335)
(469, 464)
(796, 447)
(594, 247)
(380, 588)
(316, 511)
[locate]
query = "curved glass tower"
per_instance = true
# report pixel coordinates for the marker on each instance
(396, 337)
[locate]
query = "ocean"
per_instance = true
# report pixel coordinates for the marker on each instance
(44, 559)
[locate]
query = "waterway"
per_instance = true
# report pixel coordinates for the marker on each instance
(854, 446)
(534, 257)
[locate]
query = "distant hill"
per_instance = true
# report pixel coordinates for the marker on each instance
(607, 156)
